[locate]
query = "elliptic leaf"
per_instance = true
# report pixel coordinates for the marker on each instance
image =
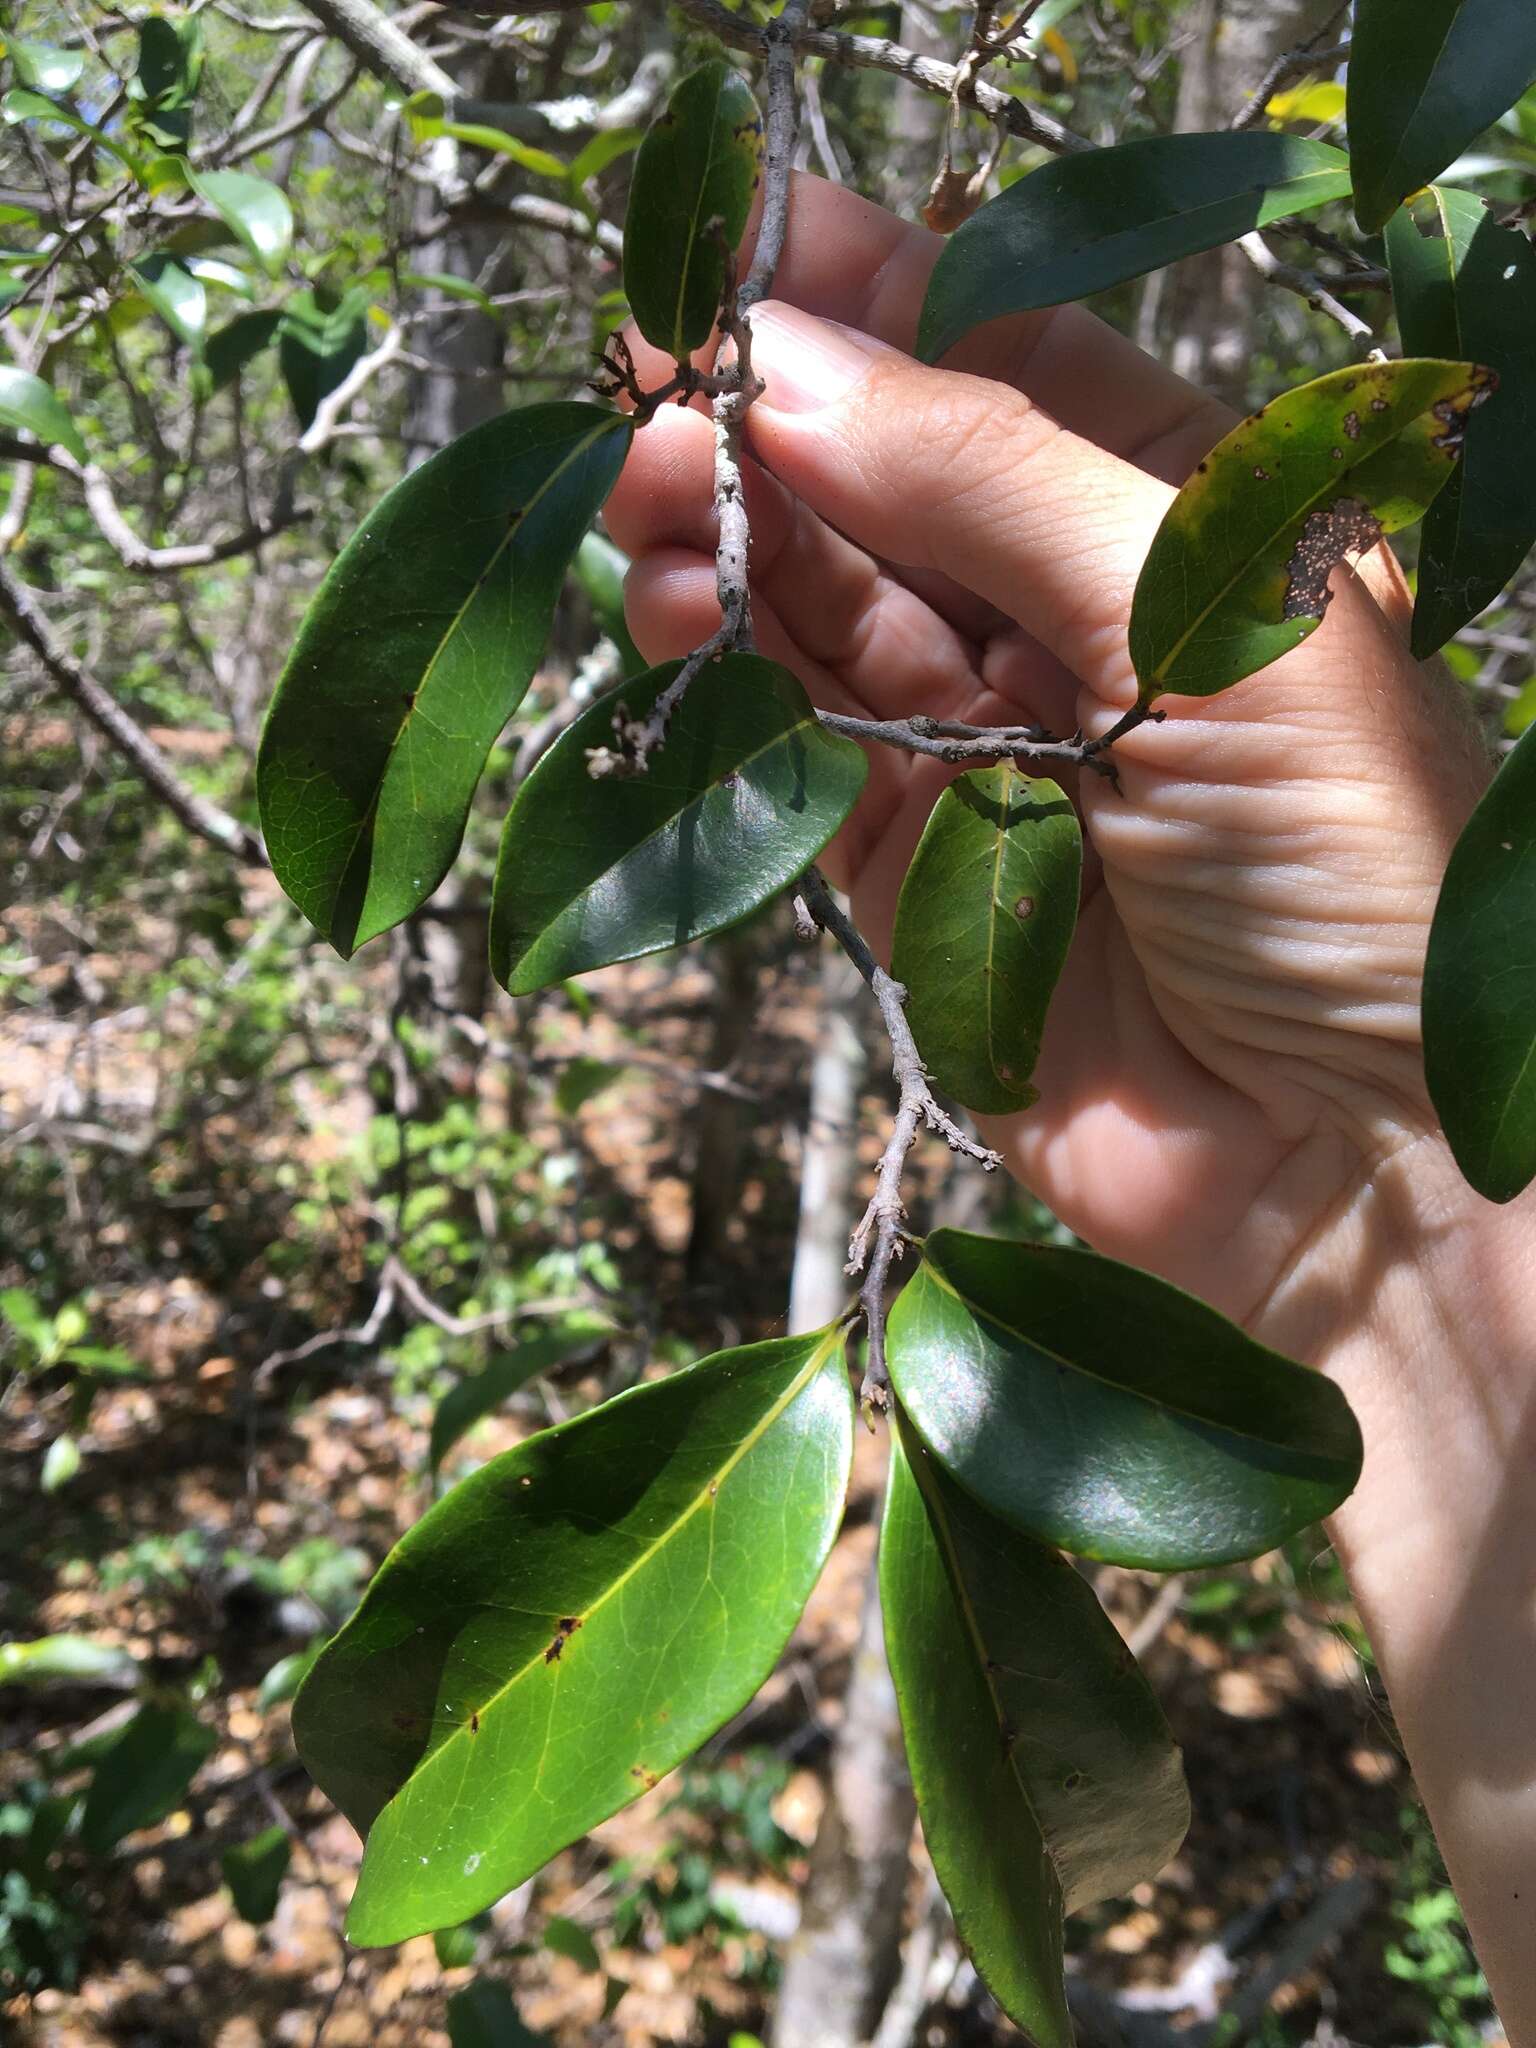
(66, 1660)
(415, 652)
(61, 1462)
(22, 104)
(253, 209)
(482, 2015)
(26, 401)
(482, 1393)
(739, 800)
(985, 918)
(1237, 573)
(1480, 987)
(1045, 1774)
(1094, 1407)
(568, 1624)
(688, 204)
(1466, 287)
(144, 1774)
(319, 340)
(254, 1872)
(1088, 221)
(1424, 80)
(238, 342)
(176, 295)
(44, 66)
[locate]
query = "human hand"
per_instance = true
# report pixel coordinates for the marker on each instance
(1233, 1048)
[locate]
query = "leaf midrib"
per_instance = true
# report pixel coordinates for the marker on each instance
(832, 1340)
(1153, 1401)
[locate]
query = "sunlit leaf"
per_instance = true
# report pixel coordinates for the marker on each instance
(253, 209)
(1084, 222)
(1237, 573)
(743, 795)
(1480, 987)
(424, 112)
(27, 402)
(1424, 81)
(567, 1625)
(61, 1461)
(1045, 1774)
(43, 66)
(1096, 1408)
(176, 295)
(66, 1660)
(985, 918)
(415, 652)
(1466, 287)
(688, 204)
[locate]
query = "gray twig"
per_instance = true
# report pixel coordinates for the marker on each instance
(1306, 286)
(946, 739)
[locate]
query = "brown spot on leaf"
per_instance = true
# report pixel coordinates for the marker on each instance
(1352, 425)
(474, 1724)
(1452, 412)
(649, 1779)
(1201, 468)
(1331, 534)
(1024, 908)
(1261, 472)
(1337, 454)
(1378, 405)
(565, 1628)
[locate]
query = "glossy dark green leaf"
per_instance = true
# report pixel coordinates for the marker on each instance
(745, 792)
(1480, 987)
(1096, 1408)
(144, 1773)
(176, 295)
(320, 338)
(571, 1622)
(254, 209)
(1084, 222)
(1237, 573)
(1466, 287)
(483, 2015)
(1424, 80)
(254, 1872)
(230, 348)
(985, 918)
(688, 203)
(27, 402)
(43, 66)
(415, 652)
(482, 1393)
(1045, 1774)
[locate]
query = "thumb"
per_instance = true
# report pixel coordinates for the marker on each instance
(934, 469)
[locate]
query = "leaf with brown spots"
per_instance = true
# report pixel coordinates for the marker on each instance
(1238, 573)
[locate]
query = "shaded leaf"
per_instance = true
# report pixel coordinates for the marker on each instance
(1480, 987)
(567, 1938)
(742, 797)
(415, 652)
(254, 209)
(600, 570)
(319, 339)
(571, 1622)
(1424, 81)
(144, 1773)
(237, 343)
(1466, 287)
(1094, 1407)
(482, 2015)
(1045, 1774)
(286, 1676)
(1088, 221)
(985, 918)
(482, 1393)
(688, 204)
(254, 1872)
(457, 1947)
(27, 402)
(176, 295)
(66, 1660)
(1237, 573)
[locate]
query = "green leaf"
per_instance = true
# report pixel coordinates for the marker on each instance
(1424, 81)
(237, 343)
(321, 336)
(1088, 221)
(449, 286)
(457, 1947)
(567, 1625)
(254, 1872)
(424, 112)
(66, 1660)
(1237, 573)
(482, 1393)
(416, 651)
(286, 1676)
(27, 402)
(600, 570)
(739, 800)
(605, 148)
(61, 1462)
(1094, 1407)
(1466, 287)
(582, 1080)
(144, 1773)
(1045, 1774)
(1480, 987)
(688, 204)
(176, 295)
(482, 2015)
(44, 67)
(253, 209)
(566, 1938)
(985, 918)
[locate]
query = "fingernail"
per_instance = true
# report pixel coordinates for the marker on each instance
(807, 363)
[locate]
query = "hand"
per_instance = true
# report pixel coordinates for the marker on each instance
(1234, 1044)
